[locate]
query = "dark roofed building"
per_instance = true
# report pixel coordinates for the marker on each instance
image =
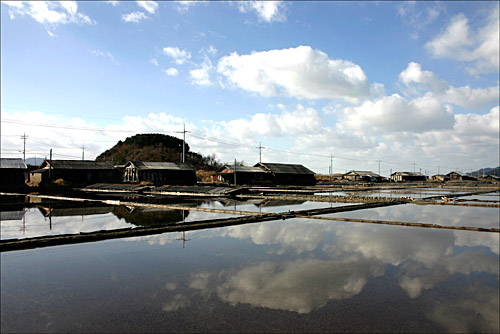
(408, 176)
(12, 171)
(74, 171)
(289, 174)
(491, 178)
(357, 175)
(244, 175)
(455, 176)
(159, 173)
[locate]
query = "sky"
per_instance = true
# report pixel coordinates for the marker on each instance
(381, 86)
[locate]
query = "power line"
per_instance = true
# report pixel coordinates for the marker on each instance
(72, 127)
(200, 136)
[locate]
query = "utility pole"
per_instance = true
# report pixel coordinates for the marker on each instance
(24, 137)
(378, 166)
(414, 164)
(260, 147)
(83, 152)
(183, 143)
(50, 165)
(390, 176)
(331, 167)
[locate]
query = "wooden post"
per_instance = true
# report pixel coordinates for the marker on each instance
(235, 172)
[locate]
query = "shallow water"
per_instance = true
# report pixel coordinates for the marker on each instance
(296, 275)
(282, 276)
(69, 218)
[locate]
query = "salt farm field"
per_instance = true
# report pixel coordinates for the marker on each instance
(294, 275)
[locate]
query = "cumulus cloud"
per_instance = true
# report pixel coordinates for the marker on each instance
(179, 56)
(50, 13)
(472, 98)
(267, 11)
(478, 47)
(300, 72)
(475, 124)
(418, 81)
(397, 114)
(300, 121)
(414, 74)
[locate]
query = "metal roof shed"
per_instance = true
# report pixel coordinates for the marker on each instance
(12, 171)
(159, 173)
(289, 174)
(244, 175)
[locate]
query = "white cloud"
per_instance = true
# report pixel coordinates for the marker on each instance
(417, 81)
(478, 47)
(179, 56)
(49, 12)
(397, 114)
(201, 75)
(154, 61)
(150, 6)
(134, 17)
(113, 3)
(474, 124)
(472, 98)
(301, 121)
(300, 72)
(414, 74)
(267, 11)
(172, 71)
(473, 141)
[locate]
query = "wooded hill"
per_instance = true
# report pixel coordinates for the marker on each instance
(156, 147)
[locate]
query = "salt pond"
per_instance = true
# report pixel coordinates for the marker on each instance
(297, 275)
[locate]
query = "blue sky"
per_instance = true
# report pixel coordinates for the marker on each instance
(412, 84)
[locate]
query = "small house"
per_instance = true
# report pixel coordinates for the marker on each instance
(74, 172)
(289, 174)
(159, 173)
(244, 175)
(439, 177)
(408, 177)
(454, 176)
(362, 176)
(12, 171)
(492, 179)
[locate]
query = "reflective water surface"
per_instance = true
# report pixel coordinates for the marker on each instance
(297, 275)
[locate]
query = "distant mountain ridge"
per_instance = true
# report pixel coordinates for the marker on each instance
(486, 171)
(156, 147)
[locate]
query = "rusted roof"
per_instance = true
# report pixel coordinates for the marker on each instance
(152, 165)
(77, 164)
(278, 168)
(14, 163)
